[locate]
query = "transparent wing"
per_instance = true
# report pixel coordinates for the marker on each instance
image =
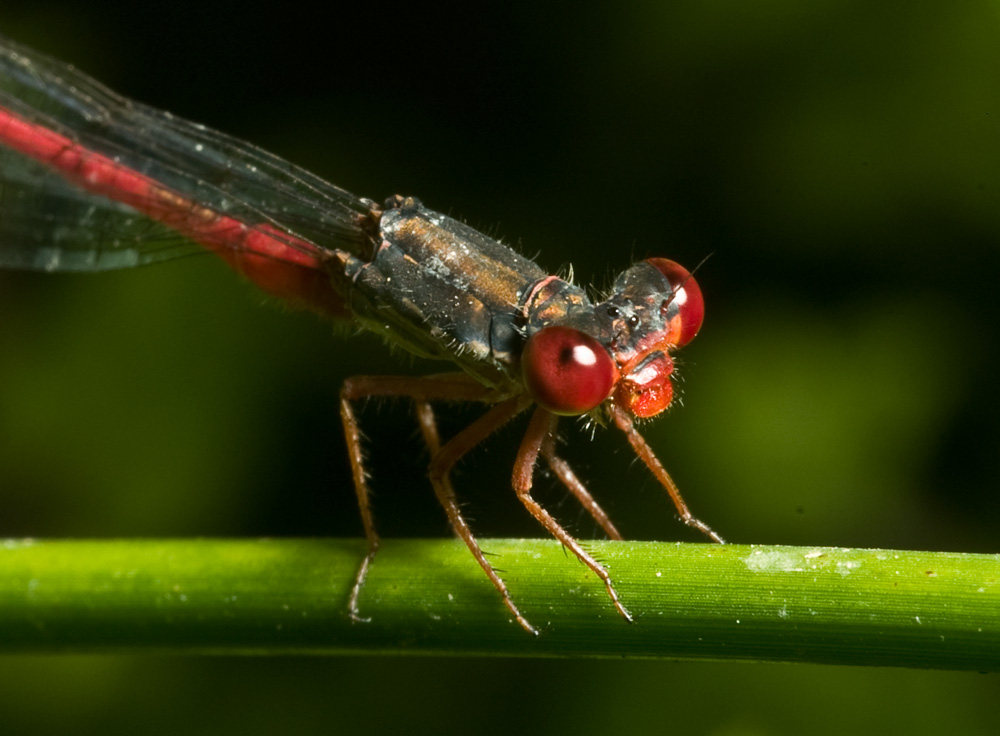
(47, 222)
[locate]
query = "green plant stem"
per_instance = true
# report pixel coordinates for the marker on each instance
(690, 601)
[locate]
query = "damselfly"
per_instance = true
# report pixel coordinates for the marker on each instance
(90, 181)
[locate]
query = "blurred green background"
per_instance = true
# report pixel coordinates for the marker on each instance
(840, 162)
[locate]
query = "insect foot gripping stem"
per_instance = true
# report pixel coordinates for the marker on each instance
(441, 466)
(421, 391)
(624, 422)
(540, 428)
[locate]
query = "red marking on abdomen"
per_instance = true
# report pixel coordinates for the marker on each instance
(261, 253)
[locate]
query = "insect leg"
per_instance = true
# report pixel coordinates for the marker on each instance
(458, 387)
(428, 426)
(541, 426)
(441, 465)
(353, 436)
(565, 473)
(645, 453)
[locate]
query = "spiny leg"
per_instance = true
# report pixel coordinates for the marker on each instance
(353, 436)
(565, 473)
(645, 453)
(441, 465)
(460, 387)
(540, 427)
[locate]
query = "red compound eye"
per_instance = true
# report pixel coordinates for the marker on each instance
(566, 371)
(687, 297)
